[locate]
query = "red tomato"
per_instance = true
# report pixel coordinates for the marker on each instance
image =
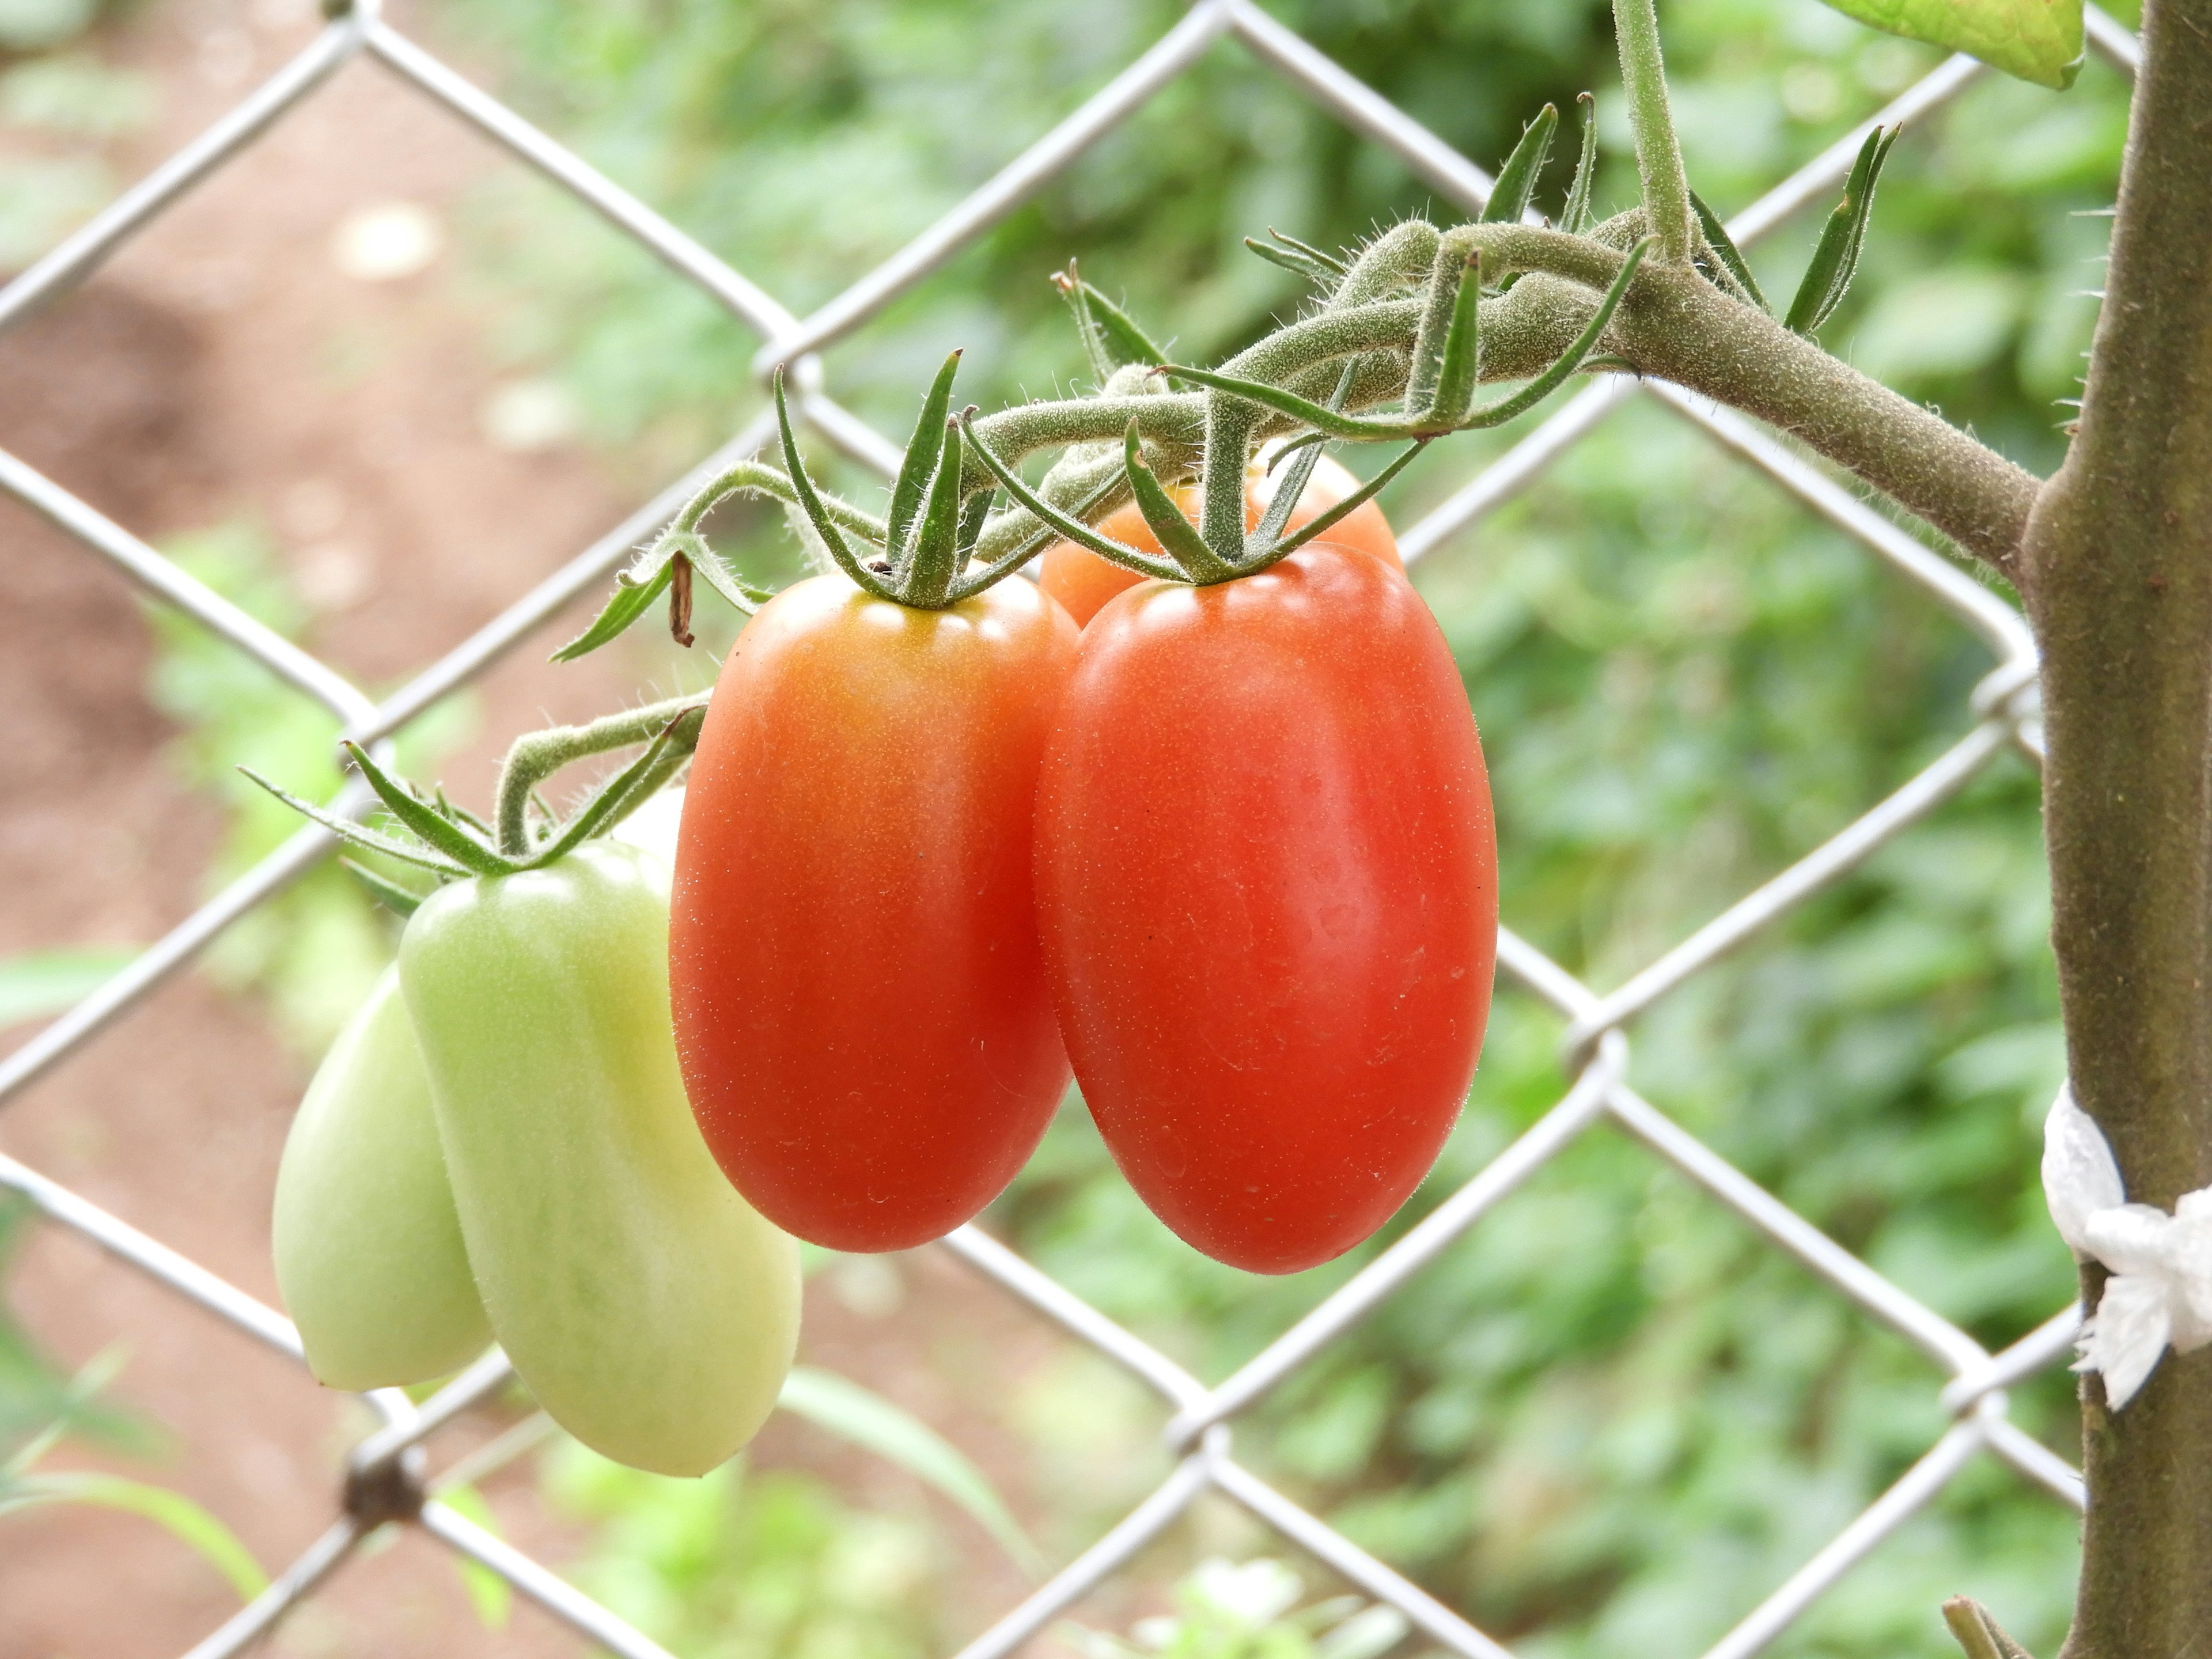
(1082, 581)
(1267, 879)
(861, 1005)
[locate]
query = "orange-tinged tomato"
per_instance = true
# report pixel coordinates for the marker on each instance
(860, 1005)
(1266, 882)
(1082, 581)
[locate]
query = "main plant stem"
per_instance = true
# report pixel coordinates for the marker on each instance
(2119, 567)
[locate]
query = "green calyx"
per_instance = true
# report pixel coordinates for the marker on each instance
(932, 536)
(431, 833)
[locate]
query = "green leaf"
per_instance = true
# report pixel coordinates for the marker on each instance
(489, 1593)
(1571, 360)
(1459, 365)
(356, 835)
(1292, 487)
(1111, 336)
(1327, 261)
(1362, 428)
(867, 1420)
(810, 502)
(1322, 523)
(923, 448)
(933, 559)
(1170, 528)
(2037, 40)
(182, 1519)
(43, 983)
(1976, 1629)
(1835, 255)
(620, 794)
(631, 601)
(1724, 250)
(1516, 179)
(402, 902)
(1577, 213)
(741, 595)
(440, 834)
(1291, 260)
(1031, 544)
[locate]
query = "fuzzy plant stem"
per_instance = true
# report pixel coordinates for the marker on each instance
(1658, 153)
(1675, 325)
(537, 755)
(2119, 580)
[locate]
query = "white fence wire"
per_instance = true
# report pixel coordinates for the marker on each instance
(385, 1480)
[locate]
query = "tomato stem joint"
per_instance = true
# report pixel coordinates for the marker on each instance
(453, 844)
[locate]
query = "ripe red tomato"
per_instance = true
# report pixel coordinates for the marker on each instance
(1082, 581)
(1267, 879)
(860, 1002)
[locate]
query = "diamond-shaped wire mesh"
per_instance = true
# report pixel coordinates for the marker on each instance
(1198, 1424)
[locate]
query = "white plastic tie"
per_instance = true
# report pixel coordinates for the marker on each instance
(2161, 1290)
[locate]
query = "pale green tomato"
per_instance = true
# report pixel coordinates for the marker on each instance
(651, 828)
(652, 1311)
(368, 1249)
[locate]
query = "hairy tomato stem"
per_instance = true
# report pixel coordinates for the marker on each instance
(1658, 153)
(537, 755)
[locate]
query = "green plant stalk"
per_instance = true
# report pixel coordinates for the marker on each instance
(537, 755)
(1658, 154)
(2119, 580)
(1673, 325)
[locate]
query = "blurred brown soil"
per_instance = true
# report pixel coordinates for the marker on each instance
(214, 371)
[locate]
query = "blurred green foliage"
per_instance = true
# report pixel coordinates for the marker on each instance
(1612, 1420)
(42, 1410)
(765, 1564)
(57, 101)
(314, 950)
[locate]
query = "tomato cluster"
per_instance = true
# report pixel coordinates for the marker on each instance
(1233, 849)
(1223, 850)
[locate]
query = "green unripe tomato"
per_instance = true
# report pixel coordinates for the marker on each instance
(652, 1311)
(368, 1249)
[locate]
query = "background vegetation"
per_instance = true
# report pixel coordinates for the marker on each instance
(1610, 1421)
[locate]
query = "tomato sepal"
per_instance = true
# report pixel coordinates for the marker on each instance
(925, 448)
(1200, 563)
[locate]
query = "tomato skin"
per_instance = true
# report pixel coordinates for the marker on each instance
(368, 1249)
(649, 1310)
(1082, 581)
(1266, 882)
(860, 1003)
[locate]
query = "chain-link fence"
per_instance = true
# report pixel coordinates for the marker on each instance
(386, 1476)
